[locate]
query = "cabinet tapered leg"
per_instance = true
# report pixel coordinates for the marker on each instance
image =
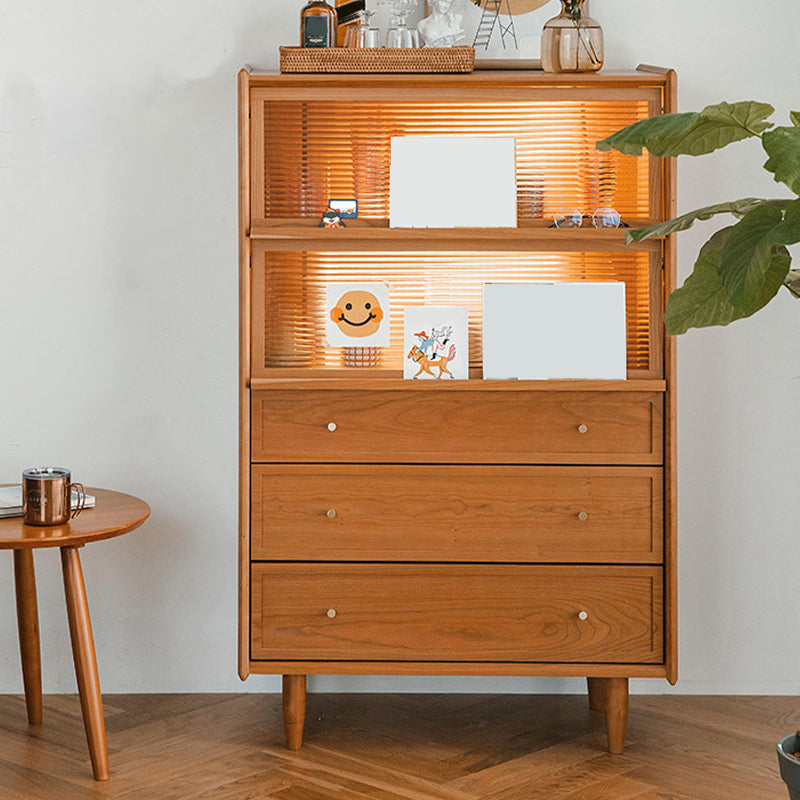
(294, 710)
(597, 693)
(616, 699)
(80, 629)
(28, 624)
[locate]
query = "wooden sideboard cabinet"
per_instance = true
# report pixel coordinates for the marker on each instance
(476, 527)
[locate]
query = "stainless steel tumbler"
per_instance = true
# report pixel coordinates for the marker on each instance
(47, 495)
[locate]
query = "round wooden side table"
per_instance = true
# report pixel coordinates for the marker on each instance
(113, 515)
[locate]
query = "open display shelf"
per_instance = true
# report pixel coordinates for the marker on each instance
(468, 527)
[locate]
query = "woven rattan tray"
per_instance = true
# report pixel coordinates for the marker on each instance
(379, 59)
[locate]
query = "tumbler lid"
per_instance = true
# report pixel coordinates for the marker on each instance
(46, 473)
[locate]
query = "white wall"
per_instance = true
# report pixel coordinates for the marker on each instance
(118, 316)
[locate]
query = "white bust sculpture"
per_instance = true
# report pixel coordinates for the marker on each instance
(442, 28)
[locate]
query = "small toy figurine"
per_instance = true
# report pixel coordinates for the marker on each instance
(331, 219)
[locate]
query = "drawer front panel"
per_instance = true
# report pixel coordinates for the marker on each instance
(468, 427)
(457, 513)
(435, 612)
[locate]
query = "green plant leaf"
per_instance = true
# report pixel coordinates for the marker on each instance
(681, 223)
(788, 231)
(703, 300)
(783, 147)
(747, 266)
(692, 133)
(792, 283)
(664, 127)
(794, 116)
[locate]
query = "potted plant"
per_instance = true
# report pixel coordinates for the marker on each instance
(742, 266)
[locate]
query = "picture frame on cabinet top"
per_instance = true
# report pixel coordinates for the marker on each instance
(514, 40)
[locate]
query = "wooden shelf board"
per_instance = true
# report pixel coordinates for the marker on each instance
(476, 79)
(306, 234)
(393, 380)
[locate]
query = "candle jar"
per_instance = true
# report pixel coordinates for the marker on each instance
(572, 41)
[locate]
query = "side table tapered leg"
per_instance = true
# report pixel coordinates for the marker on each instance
(28, 624)
(80, 629)
(294, 710)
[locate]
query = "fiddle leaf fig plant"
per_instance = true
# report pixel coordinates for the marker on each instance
(742, 266)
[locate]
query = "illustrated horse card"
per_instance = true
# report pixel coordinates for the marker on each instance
(436, 342)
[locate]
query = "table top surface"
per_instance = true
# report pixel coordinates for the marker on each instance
(114, 514)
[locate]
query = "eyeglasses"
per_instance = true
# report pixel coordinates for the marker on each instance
(602, 218)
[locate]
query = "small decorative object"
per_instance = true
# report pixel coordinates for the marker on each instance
(47, 496)
(443, 27)
(360, 33)
(504, 33)
(436, 342)
(789, 763)
(572, 42)
(348, 209)
(331, 219)
(349, 14)
(356, 314)
(361, 356)
(601, 218)
(399, 34)
(318, 22)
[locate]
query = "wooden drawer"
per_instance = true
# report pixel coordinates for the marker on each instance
(457, 513)
(457, 426)
(436, 612)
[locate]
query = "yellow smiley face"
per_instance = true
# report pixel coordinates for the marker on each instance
(357, 314)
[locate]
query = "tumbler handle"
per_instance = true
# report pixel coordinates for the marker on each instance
(79, 489)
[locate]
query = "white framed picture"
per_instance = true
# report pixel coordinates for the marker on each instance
(357, 314)
(436, 342)
(510, 30)
(432, 182)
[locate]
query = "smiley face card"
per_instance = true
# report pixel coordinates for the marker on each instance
(358, 314)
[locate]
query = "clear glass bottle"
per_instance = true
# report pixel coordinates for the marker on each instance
(318, 23)
(572, 42)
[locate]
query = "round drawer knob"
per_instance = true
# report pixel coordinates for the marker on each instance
(583, 428)
(582, 516)
(331, 426)
(581, 615)
(331, 612)
(330, 513)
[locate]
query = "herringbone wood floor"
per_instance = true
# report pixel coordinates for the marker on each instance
(400, 747)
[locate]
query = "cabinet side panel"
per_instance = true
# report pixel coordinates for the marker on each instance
(244, 373)
(670, 412)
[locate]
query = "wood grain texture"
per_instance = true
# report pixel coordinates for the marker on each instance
(28, 627)
(615, 702)
(670, 406)
(80, 629)
(114, 514)
(456, 613)
(243, 632)
(457, 513)
(621, 428)
(294, 710)
(400, 747)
